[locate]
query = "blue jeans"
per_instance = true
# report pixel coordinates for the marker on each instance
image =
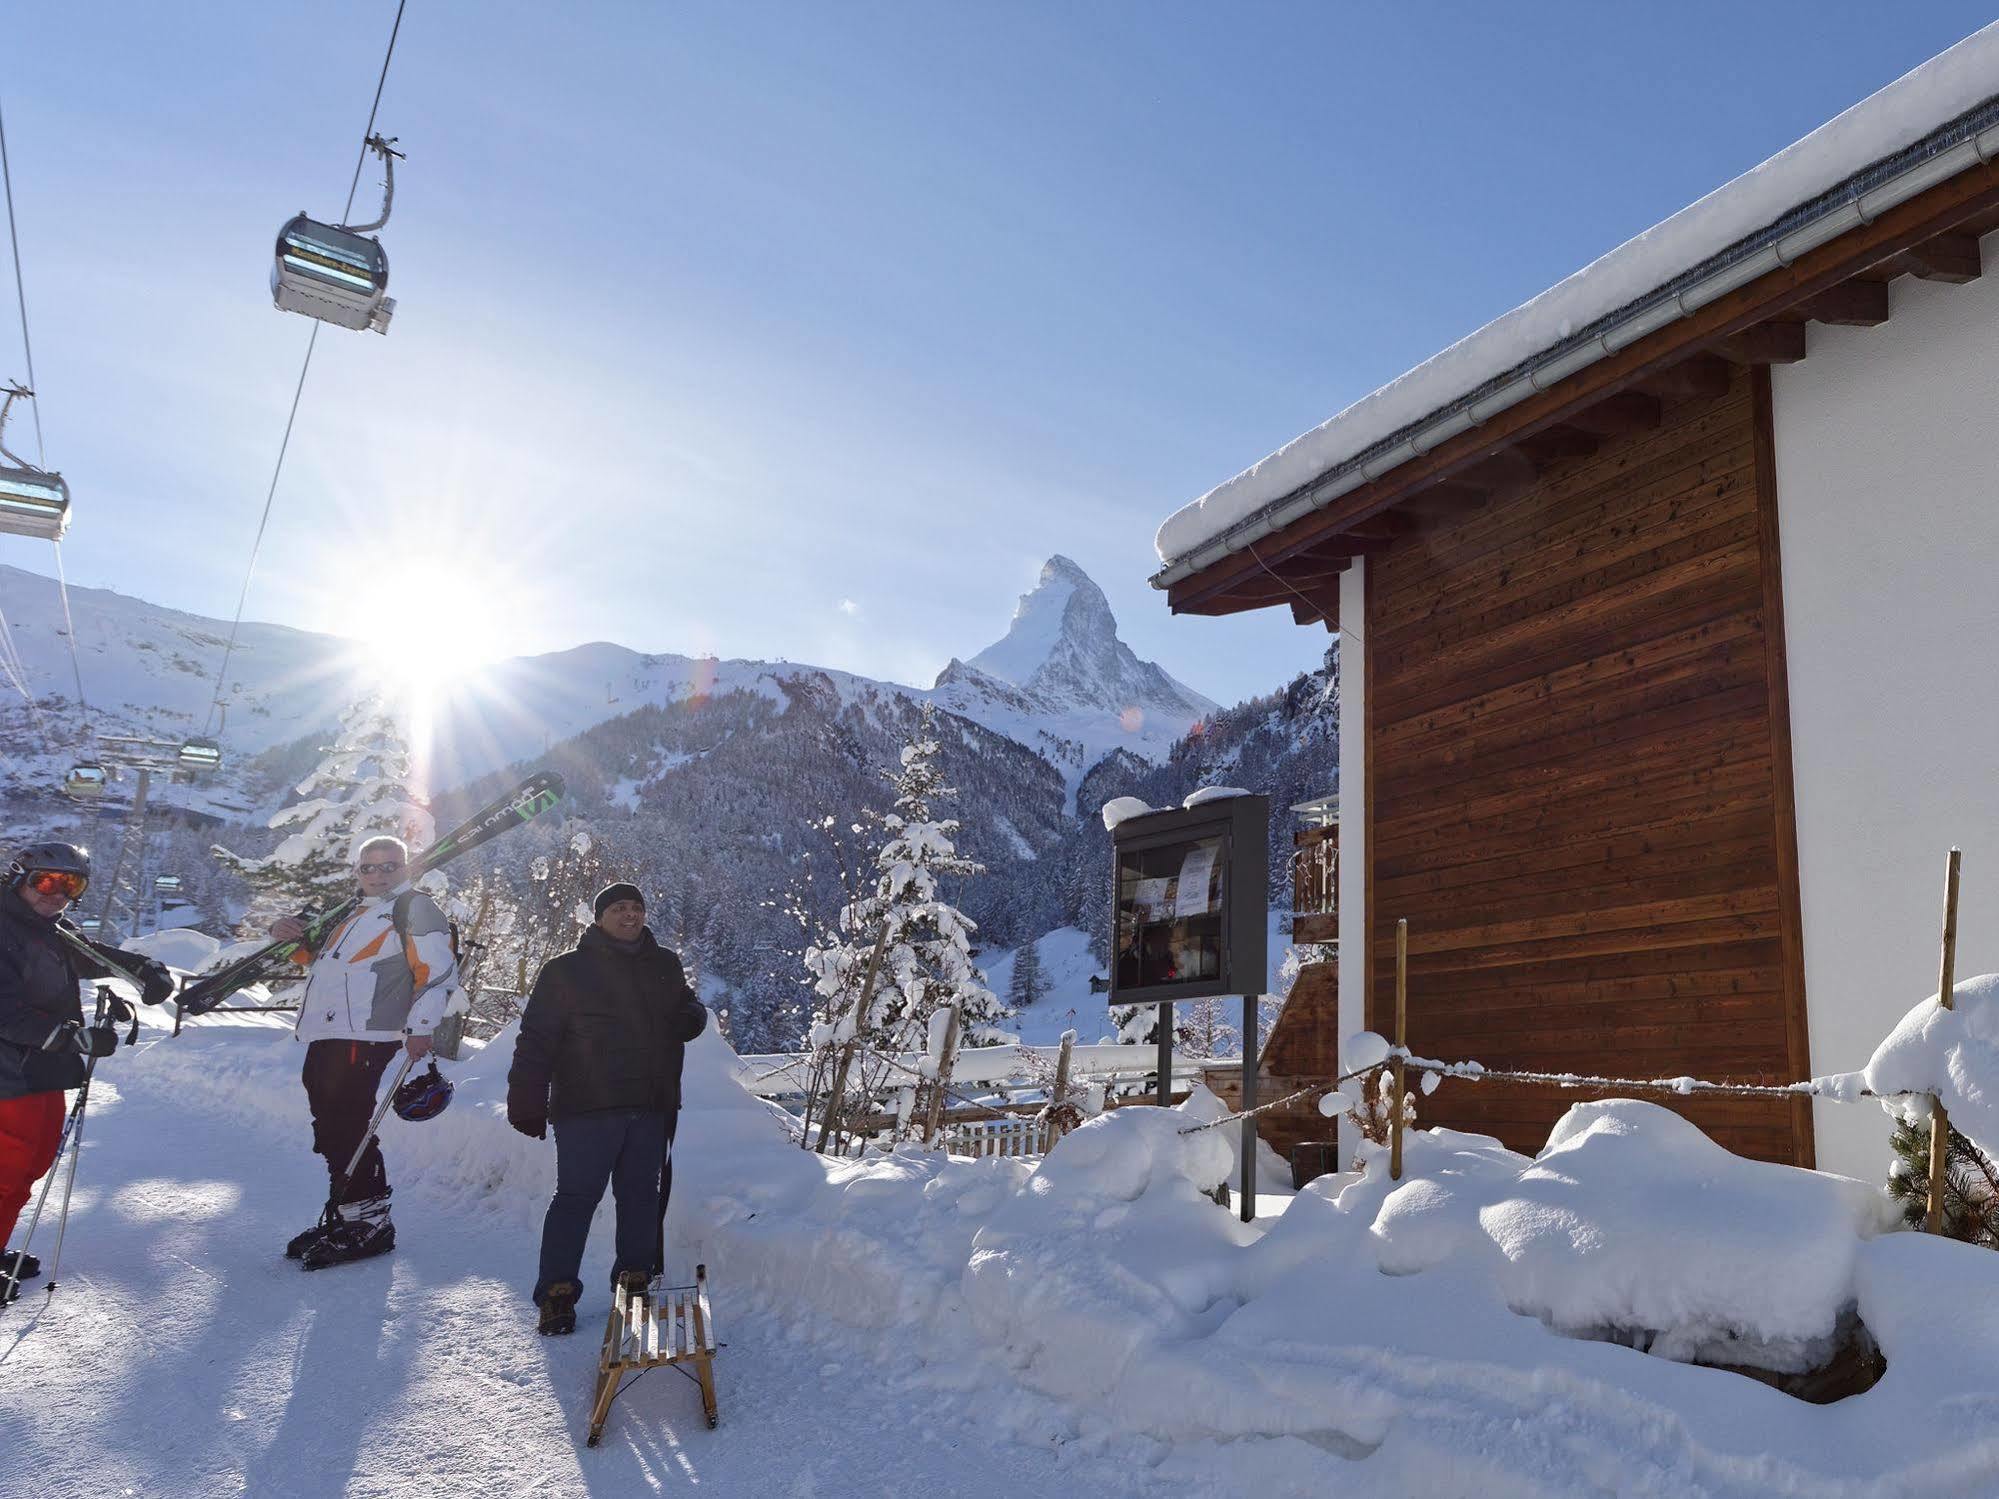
(626, 1148)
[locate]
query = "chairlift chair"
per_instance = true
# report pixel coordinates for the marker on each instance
(199, 754)
(85, 781)
(33, 501)
(338, 273)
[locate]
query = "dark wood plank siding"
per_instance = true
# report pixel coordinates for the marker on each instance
(1575, 796)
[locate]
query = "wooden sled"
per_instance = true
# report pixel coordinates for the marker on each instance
(650, 1328)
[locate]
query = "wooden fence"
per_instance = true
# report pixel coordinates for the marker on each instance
(1011, 1138)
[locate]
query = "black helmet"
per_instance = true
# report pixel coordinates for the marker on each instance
(66, 858)
(423, 1096)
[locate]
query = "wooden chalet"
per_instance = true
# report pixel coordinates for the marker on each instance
(1668, 608)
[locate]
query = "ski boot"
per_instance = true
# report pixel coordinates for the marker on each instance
(30, 1266)
(361, 1232)
(558, 1309)
(301, 1242)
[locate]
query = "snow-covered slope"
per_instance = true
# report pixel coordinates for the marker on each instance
(1061, 681)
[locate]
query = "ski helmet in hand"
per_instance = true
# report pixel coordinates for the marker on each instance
(64, 858)
(423, 1096)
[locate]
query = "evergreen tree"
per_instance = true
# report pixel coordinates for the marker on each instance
(1970, 1183)
(1027, 985)
(361, 787)
(926, 941)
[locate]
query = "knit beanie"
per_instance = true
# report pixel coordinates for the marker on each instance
(612, 894)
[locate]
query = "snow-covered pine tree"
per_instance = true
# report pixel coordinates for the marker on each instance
(360, 787)
(1027, 984)
(926, 963)
(1970, 1183)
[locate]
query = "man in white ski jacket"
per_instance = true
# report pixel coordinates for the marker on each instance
(378, 984)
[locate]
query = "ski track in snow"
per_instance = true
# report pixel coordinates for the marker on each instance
(184, 1356)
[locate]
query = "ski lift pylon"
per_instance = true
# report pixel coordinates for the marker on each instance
(338, 273)
(33, 501)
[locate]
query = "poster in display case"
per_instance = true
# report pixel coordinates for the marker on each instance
(1191, 889)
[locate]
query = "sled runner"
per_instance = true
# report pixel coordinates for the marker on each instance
(650, 1328)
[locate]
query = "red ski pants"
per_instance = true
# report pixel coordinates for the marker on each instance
(30, 1130)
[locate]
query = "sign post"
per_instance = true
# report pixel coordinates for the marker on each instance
(1189, 901)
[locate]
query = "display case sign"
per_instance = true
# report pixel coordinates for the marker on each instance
(1192, 888)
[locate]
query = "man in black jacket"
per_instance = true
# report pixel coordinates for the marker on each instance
(44, 1043)
(599, 1054)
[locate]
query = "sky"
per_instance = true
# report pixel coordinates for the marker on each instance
(809, 331)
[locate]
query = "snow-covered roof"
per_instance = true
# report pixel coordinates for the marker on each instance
(1906, 112)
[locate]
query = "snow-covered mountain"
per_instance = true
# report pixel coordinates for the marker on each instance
(1061, 681)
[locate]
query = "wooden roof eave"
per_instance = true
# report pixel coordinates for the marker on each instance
(1934, 235)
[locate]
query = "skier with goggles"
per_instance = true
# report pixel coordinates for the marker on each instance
(44, 1043)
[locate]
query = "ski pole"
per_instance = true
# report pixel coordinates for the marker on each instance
(374, 1127)
(69, 1182)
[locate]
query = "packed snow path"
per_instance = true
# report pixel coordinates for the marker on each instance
(183, 1356)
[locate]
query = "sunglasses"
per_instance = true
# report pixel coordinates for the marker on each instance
(57, 882)
(378, 868)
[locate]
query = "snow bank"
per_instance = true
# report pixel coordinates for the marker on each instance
(178, 947)
(1952, 1054)
(1462, 1331)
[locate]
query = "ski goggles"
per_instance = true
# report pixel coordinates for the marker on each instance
(63, 882)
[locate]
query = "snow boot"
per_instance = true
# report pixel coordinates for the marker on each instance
(30, 1266)
(362, 1231)
(558, 1309)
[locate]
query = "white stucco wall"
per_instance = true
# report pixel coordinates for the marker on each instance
(1353, 826)
(1887, 446)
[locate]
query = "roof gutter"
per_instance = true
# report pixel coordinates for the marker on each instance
(1972, 139)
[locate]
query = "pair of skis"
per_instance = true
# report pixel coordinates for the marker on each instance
(526, 801)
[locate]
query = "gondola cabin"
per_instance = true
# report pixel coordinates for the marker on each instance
(33, 503)
(200, 755)
(85, 781)
(332, 274)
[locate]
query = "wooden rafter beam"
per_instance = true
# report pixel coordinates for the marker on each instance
(1766, 343)
(1952, 205)
(1552, 445)
(1614, 416)
(1701, 377)
(1949, 257)
(1852, 304)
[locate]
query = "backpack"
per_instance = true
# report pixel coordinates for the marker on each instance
(399, 917)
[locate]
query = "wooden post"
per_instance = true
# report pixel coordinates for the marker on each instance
(1946, 981)
(1057, 1109)
(1402, 1043)
(941, 1083)
(1249, 1108)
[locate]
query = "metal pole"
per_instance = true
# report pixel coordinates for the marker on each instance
(1165, 1055)
(1249, 1107)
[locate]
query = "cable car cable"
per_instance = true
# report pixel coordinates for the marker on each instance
(41, 460)
(21, 290)
(235, 625)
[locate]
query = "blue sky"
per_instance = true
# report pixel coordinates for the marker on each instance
(809, 331)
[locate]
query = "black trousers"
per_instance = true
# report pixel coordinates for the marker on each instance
(341, 1079)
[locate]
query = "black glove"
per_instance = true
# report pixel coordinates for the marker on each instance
(534, 1126)
(156, 983)
(97, 1040)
